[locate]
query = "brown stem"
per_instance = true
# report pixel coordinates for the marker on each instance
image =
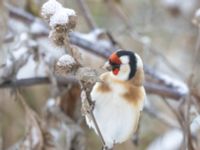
(64, 81)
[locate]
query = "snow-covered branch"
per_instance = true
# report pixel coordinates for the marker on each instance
(166, 88)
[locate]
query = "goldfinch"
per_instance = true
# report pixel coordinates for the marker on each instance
(119, 98)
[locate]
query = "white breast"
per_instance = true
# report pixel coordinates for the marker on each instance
(116, 118)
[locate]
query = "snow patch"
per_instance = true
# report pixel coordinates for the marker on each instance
(32, 69)
(61, 17)
(197, 13)
(66, 60)
(181, 86)
(56, 13)
(93, 37)
(195, 125)
(51, 102)
(18, 53)
(50, 7)
(38, 27)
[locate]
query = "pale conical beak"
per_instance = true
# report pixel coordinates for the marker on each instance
(107, 66)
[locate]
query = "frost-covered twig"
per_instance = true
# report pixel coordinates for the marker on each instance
(175, 85)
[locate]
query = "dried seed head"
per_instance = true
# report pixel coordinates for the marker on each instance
(61, 17)
(65, 64)
(49, 8)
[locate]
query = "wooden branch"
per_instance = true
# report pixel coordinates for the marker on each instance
(162, 90)
(62, 81)
(20, 14)
(95, 48)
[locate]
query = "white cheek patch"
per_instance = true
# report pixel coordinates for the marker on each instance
(123, 72)
(139, 61)
(124, 59)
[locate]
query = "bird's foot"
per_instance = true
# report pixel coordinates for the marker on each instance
(87, 107)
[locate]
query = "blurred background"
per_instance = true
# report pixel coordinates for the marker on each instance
(165, 33)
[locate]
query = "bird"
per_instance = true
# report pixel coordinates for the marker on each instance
(118, 98)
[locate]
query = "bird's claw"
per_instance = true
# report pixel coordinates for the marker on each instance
(87, 107)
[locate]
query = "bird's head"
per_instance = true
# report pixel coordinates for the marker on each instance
(123, 64)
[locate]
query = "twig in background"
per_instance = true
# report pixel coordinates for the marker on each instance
(180, 120)
(162, 117)
(87, 15)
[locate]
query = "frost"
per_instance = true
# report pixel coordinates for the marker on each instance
(93, 37)
(23, 37)
(51, 102)
(35, 137)
(61, 17)
(196, 19)
(195, 125)
(66, 60)
(18, 53)
(38, 27)
(50, 7)
(50, 50)
(197, 13)
(32, 69)
(57, 14)
(181, 86)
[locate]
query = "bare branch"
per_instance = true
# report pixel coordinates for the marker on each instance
(162, 91)
(86, 13)
(62, 81)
